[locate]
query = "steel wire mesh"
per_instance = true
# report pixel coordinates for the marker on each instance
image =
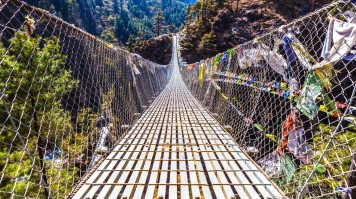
(288, 99)
(66, 97)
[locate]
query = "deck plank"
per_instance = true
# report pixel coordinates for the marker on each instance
(176, 149)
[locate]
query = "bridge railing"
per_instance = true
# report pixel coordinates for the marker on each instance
(66, 97)
(288, 99)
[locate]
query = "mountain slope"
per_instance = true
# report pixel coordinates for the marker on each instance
(215, 26)
(79, 12)
(115, 20)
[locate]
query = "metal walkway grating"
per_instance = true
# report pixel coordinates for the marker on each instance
(177, 150)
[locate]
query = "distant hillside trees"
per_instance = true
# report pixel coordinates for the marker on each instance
(200, 35)
(159, 22)
(208, 42)
(115, 20)
(131, 43)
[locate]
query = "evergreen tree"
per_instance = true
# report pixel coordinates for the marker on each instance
(188, 41)
(131, 43)
(197, 8)
(165, 4)
(121, 5)
(208, 42)
(138, 39)
(159, 22)
(124, 26)
(121, 17)
(116, 6)
(189, 16)
(37, 69)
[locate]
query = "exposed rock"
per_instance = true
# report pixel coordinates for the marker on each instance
(158, 49)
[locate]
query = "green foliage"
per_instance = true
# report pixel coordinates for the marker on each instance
(137, 20)
(115, 20)
(330, 173)
(78, 12)
(138, 40)
(208, 42)
(205, 8)
(131, 43)
(189, 16)
(175, 14)
(190, 37)
(158, 22)
(36, 79)
(109, 35)
(199, 33)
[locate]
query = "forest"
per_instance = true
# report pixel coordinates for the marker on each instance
(215, 26)
(115, 20)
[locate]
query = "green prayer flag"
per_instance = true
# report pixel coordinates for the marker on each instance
(230, 52)
(288, 167)
(312, 88)
(258, 127)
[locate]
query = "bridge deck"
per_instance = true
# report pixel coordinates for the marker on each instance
(177, 150)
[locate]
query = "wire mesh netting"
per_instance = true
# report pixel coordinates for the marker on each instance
(288, 99)
(66, 98)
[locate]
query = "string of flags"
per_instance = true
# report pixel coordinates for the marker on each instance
(314, 89)
(310, 97)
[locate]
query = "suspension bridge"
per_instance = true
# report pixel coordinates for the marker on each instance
(270, 118)
(176, 143)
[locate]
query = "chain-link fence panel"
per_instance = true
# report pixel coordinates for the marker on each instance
(66, 97)
(288, 99)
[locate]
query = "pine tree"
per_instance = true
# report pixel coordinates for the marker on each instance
(116, 6)
(189, 16)
(197, 8)
(165, 4)
(158, 22)
(36, 66)
(188, 41)
(208, 42)
(131, 43)
(138, 39)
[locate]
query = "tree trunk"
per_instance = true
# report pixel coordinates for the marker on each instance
(41, 145)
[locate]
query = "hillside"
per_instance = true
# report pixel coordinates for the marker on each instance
(116, 20)
(81, 13)
(157, 49)
(215, 26)
(209, 27)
